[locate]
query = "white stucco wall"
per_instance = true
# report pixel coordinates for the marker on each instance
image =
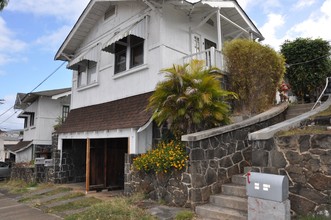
(46, 111)
(24, 156)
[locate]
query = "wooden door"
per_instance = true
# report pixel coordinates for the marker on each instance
(116, 150)
(97, 167)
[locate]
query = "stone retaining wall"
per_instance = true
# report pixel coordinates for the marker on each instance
(214, 156)
(23, 173)
(306, 160)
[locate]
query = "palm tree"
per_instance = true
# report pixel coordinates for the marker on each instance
(190, 99)
(3, 3)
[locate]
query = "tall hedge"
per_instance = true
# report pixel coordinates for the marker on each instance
(309, 64)
(255, 72)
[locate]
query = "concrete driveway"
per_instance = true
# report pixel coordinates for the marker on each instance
(12, 210)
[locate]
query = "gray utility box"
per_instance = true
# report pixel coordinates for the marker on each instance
(267, 186)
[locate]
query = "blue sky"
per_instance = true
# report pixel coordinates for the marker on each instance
(32, 31)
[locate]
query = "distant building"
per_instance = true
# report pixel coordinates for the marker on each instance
(41, 111)
(8, 139)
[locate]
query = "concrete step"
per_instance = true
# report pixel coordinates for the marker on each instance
(239, 179)
(298, 109)
(211, 211)
(301, 106)
(48, 198)
(63, 202)
(232, 202)
(234, 190)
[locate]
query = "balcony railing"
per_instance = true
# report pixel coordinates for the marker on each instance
(212, 57)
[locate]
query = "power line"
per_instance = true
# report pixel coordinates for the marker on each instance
(6, 111)
(8, 118)
(31, 92)
(308, 61)
(47, 77)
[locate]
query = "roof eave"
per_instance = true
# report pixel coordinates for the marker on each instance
(59, 54)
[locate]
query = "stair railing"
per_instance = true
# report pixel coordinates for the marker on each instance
(326, 91)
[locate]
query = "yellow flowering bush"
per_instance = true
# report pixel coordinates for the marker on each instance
(166, 157)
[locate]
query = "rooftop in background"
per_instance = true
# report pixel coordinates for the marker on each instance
(23, 100)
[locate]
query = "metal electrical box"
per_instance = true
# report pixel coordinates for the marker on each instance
(267, 186)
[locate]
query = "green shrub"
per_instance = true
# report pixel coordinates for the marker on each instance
(255, 72)
(166, 157)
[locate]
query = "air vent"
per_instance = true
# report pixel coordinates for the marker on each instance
(110, 12)
(210, 22)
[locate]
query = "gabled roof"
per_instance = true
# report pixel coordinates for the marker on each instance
(96, 9)
(20, 146)
(124, 113)
(87, 20)
(24, 99)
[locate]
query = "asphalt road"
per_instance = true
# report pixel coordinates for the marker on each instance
(10, 209)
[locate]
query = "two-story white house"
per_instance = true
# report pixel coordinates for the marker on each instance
(40, 111)
(116, 50)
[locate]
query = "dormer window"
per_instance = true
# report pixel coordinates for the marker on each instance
(110, 12)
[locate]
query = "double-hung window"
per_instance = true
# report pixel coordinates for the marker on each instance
(31, 119)
(129, 53)
(65, 112)
(87, 74)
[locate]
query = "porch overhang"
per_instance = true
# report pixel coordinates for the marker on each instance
(235, 22)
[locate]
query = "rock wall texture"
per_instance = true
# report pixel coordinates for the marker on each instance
(212, 162)
(23, 173)
(306, 160)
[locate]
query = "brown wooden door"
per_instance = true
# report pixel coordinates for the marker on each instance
(116, 150)
(97, 164)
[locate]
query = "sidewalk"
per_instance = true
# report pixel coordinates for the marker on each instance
(22, 207)
(10, 209)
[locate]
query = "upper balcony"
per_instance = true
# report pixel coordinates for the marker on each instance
(212, 58)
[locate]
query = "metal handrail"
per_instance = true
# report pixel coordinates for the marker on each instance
(322, 94)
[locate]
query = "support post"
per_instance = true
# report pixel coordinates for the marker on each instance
(88, 152)
(219, 29)
(105, 151)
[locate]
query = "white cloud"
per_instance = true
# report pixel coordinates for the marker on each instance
(269, 30)
(61, 9)
(267, 6)
(304, 3)
(52, 41)
(245, 4)
(9, 45)
(317, 24)
(7, 39)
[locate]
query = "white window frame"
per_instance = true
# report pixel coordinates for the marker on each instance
(128, 55)
(87, 74)
(196, 43)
